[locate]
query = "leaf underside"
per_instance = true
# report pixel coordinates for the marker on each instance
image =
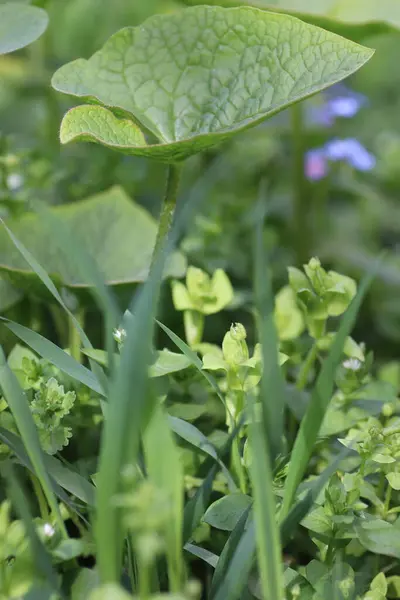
(194, 78)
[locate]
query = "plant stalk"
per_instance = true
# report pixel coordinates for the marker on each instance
(168, 208)
(300, 221)
(74, 340)
(41, 498)
(307, 366)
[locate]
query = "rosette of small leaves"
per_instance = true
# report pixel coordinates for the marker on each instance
(321, 294)
(242, 371)
(331, 521)
(17, 571)
(202, 295)
(378, 447)
(49, 407)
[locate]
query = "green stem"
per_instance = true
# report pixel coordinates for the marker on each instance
(41, 498)
(300, 222)
(74, 342)
(388, 497)
(307, 366)
(168, 208)
(237, 465)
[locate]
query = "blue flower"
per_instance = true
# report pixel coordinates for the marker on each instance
(351, 151)
(348, 150)
(341, 102)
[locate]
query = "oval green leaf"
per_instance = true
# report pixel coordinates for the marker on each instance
(194, 78)
(20, 25)
(225, 513)
(118, 233)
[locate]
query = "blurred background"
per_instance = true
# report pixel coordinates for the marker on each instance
(332, 191)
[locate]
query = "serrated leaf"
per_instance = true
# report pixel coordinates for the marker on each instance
(117, 233)
(194, 78)
(20, 25)
(226, 512)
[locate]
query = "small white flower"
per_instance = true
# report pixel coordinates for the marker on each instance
(48, 530)
(353, 364)
(119, 335)
(14, 181)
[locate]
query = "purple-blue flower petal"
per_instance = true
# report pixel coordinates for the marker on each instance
(316, 166)
(351, 151)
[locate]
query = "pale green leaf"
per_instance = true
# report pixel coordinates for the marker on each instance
(116, 232)
(226, 512)
(195, 77)
(20, 25)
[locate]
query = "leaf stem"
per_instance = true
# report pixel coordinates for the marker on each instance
(168, 207)
(300, 222)
(37, 488)
(307, 366)
(74, 342)
(388, 497)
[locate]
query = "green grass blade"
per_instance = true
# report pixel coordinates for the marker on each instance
(165, 470)
(228, 552)
(128, 402)
(237, 575)
(55, 355)
(196, 506)
(266, 527)
(194, 436)
(67, 479)
(209, 557)
(320, 398)
(48, 283)
(40, 556)
(19, 407)
(301, 509)
(272, 383)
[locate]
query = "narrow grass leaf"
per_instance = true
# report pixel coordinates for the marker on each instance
(55, 355)
(19, 407)
(48, 283)
(228, 552)
(237, 575)
(272, 383)
(69, 480)
(320, 398)
(266, 526)
(206, 555)
(128, 400)
(197, 505)
(39, 554)
(194, 436)
(165, 470)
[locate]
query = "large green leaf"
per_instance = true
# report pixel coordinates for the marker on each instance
(20, 25)
(356, 19)
(194, 78)
(117, 233)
